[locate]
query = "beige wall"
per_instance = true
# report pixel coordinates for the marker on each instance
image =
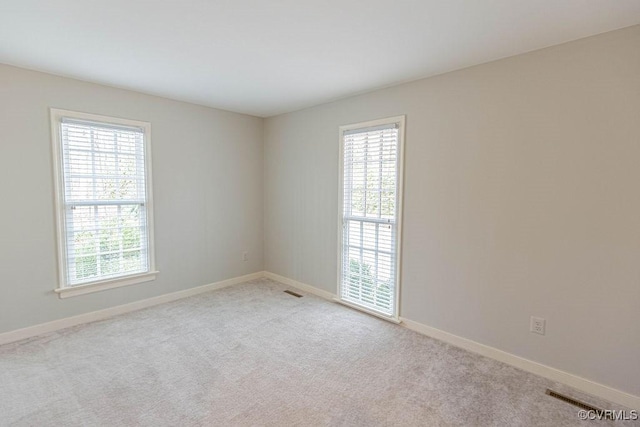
(207, 176)
(521, 198)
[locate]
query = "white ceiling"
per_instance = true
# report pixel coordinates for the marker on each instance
(268, 57)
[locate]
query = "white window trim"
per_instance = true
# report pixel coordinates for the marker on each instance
(98, 285)
(400, 121)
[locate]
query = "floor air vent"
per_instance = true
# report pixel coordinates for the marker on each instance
(579, 404)
(293, 293)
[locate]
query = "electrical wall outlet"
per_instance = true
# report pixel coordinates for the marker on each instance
(245, 256)
(537, 325)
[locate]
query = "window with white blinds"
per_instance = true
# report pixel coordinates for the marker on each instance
(371, 190)
(103, 198)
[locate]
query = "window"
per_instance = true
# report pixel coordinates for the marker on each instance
(371, 201)
(103, 194)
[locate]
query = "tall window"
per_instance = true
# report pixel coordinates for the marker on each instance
(371, 183)
(103, 201)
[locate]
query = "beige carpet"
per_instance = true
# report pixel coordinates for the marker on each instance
(253, 355)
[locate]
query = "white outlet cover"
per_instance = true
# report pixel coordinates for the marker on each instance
(537, 325)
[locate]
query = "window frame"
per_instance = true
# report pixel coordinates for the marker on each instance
(63, 289)
(400, 122)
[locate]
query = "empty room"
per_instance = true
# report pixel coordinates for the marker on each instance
(320, 213)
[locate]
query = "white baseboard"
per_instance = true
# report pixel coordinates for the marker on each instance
(299, 285)
(93, 316)
(323, 294)
(579, 383)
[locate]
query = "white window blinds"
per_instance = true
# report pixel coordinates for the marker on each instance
(105, 234)
(369, 217)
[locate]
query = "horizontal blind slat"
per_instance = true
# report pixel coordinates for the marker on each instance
(71, 123)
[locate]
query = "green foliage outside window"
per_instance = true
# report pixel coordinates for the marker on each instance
(377, 293)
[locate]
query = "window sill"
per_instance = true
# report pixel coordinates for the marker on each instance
(73, 291)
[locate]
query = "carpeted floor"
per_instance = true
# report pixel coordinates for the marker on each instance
(253, 355)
